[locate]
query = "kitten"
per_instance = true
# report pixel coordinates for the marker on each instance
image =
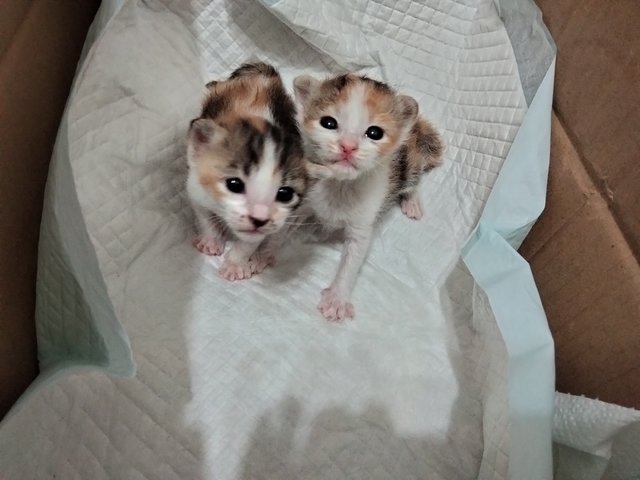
(368, 147)
(246, 168)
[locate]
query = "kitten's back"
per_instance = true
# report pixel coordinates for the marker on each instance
(254, 89)
(254, 96)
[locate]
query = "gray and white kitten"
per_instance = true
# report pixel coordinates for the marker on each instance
(368, 149)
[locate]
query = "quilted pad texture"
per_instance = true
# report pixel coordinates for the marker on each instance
(247, 380)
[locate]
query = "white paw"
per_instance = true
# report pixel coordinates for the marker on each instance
(334, 307)
(209, 245)
(411, 208)
(235, 271)
(258, 263)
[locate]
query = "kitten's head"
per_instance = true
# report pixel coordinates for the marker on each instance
(253, 176)
(352, 124)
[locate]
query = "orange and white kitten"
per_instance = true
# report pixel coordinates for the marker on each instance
(246, 168)
(368, 148)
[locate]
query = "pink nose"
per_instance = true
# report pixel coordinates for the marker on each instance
(259, 211)
(348, 147)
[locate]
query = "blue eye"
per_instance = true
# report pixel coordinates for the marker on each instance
(285, 194)
(374, 132)
(329, 123)
(235, 185)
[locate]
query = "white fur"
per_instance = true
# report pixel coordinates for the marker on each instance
(262, 185)
(352, 205)
(340, 203)
(354, 118)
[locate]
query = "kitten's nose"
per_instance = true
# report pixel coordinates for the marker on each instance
(348, 147)
(258, 222)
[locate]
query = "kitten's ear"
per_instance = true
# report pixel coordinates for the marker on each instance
(303, 87)
(406, 107)
(211, 84)
(204, 132)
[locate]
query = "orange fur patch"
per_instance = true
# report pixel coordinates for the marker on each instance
(241, 96)
(210, 175)
(259, 123)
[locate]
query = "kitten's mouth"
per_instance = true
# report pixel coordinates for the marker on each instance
(346, 163)
(252, 231)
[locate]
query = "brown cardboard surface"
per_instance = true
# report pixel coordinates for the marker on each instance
(589, 281)
(597, 97)
(40, 42)
(12, 15)
(584, 250)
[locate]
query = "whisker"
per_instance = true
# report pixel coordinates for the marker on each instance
(299, 224)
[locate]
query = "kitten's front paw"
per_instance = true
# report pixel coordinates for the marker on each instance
(319, 172)
(411, 208)
(259, 262)
(209, 245)
(334, 307)
(235, 271)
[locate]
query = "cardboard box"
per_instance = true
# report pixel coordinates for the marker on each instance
(584, 250)
(40, 43)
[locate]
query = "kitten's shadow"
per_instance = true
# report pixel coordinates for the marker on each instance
(300, 249)
(290, 265)
(295, 259)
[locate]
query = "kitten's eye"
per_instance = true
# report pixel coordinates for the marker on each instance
(329, 123)
(235, 185)
(374, 132)
(285, 194)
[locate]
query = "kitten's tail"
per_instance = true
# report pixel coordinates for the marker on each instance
(428, 144)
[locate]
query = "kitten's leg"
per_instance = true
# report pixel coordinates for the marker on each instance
(334, 303)
(237, 264)
(265, 254)
(247, 259)
(261, 258)
(209, 241)
(410, 205)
